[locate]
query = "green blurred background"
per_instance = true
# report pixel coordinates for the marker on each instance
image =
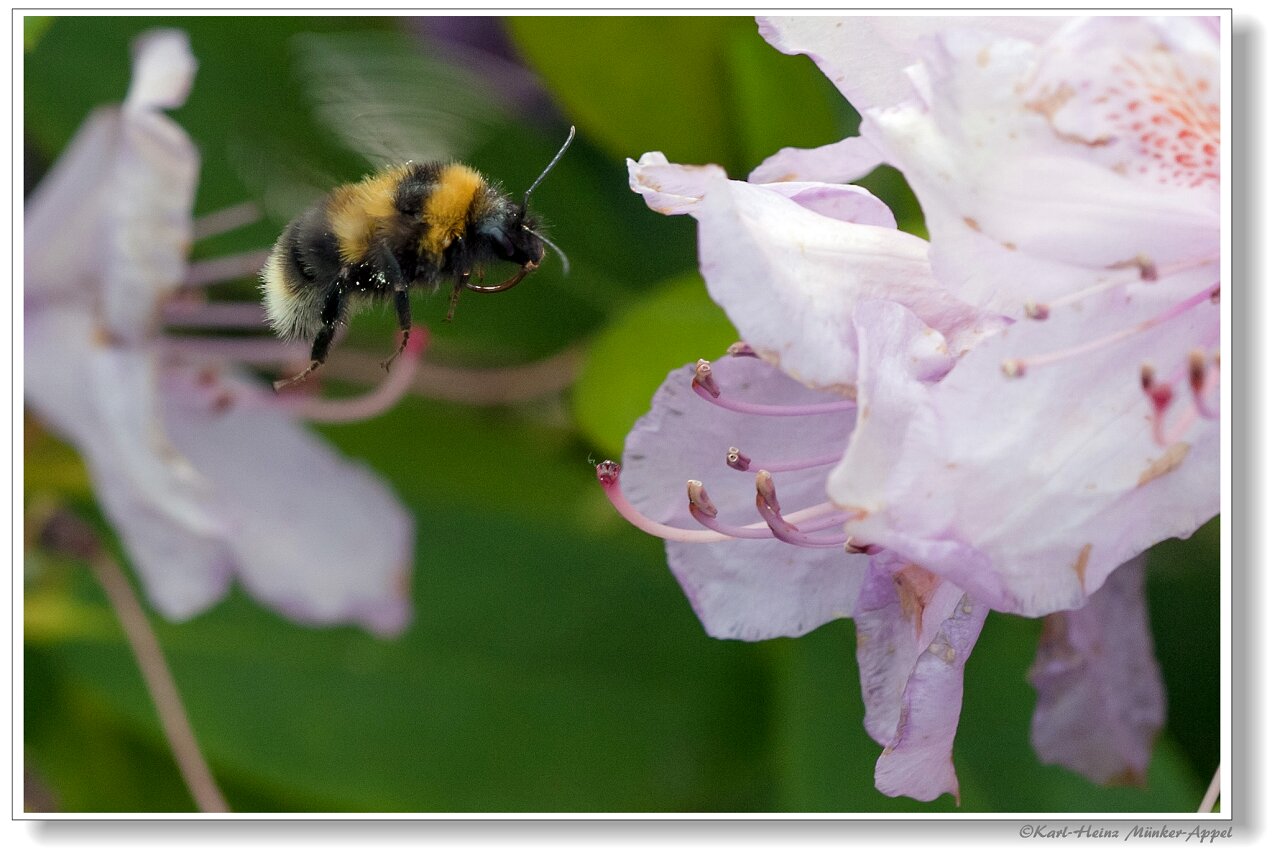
(553, 663)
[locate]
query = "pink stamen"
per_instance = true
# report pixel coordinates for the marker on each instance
(247, 350)
(225, 220)
(609, 473)
(705, 386)
(742, 350)
(1193, 414)
(197, 313)
(382, 398)
(769, 508)
(1203, 379)
(704, 512)
(205, 272)
(1147, 272)
(738, 460)
(1017, 367)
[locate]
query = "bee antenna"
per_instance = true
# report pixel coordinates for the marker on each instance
(564, 259)
(525, 204)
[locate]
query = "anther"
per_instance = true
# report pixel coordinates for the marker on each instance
(737, 459)
(1146, 269)
(1145, 266)
(1036, 310)
(766, 491)
(1202, 379)
(742, 350)
(1196, 368)
(699, 500)
(1014, 368)
(781, 528)
(702, 378)
(852, 546)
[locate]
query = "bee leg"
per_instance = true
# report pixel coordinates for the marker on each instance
(329, 316)
(458, 287)
(390, 271)
(401, 296)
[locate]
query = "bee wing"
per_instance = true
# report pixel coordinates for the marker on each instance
(390, 101)
(279, 176)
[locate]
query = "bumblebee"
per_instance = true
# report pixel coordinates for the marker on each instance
(412, 225)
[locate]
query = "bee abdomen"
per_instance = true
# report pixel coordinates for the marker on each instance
(302, 267)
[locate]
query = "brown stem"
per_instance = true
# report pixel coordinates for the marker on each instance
(70, 535)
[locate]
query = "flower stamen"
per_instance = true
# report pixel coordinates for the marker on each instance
(382, 398)
(202, 273)
(705, 386)
(768, 505)
(198, 313)
(1017, 367)
(817, 517)
(738, 460)
(225, 220)
(742, 349)
(1147, 272)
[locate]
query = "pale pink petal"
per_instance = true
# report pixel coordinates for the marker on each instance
(163, 68)
(917, 762)
(101, 400)
(673, 189)
(63, 227)
(987, 161)
(839, 162)
(748, 589)
(867, 57)
(900, 609)
(314, 536)
(669, 188)
(846, 203)
(789, 278)
(1100, 702)
(1028, 492)
(152, 191)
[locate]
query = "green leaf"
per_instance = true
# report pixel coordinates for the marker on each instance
(675, 324)
(33, 29)
(640, 83)
(779, 100)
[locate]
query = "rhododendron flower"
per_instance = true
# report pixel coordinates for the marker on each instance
(205, 474)
(997, 418)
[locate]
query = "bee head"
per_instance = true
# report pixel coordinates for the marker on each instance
(513, 238)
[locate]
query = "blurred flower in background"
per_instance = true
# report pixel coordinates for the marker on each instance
(998, 418)
(205, 475)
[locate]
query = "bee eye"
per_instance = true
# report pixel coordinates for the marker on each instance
(505, 242)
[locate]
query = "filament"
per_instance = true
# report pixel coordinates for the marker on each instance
(705, 386)
(202, 273)
(1018, 367)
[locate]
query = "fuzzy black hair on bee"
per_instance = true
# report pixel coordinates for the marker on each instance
(413, 225)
